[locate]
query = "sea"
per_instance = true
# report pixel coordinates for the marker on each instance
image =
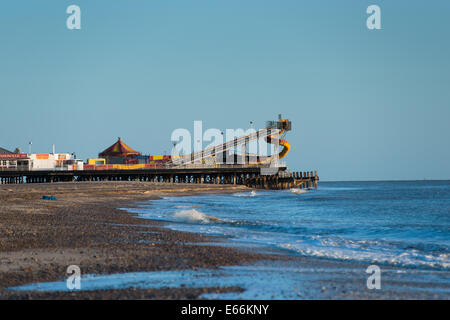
(389, 223)
(402, 227)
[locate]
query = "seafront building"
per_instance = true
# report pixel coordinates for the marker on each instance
(11, 160)
(38, 161)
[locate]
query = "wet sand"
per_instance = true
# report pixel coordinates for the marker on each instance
(39, 239)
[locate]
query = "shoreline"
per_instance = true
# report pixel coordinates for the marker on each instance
(41, 238)
(86, 226)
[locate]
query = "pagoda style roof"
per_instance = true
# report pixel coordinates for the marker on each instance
(119, 149)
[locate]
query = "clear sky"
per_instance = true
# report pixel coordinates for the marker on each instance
(365, 104)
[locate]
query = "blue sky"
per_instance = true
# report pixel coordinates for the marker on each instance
(365, 105)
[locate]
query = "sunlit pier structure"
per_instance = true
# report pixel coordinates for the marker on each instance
(209, 166)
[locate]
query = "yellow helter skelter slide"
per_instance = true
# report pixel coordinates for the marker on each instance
(283, 126)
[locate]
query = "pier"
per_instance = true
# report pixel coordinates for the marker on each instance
(249, 176)
(302, 180)
(218, 164)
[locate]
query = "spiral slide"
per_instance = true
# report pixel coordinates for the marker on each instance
(283, 126)
(286, 145)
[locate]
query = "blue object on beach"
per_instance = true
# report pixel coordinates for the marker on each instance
(49, 198)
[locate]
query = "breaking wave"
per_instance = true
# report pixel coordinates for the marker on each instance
(298, 191)
(193, 216)
(361, 251)
(251, 194)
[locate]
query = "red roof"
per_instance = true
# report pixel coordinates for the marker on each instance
(118, 149)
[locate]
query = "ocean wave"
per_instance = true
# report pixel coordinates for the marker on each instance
(251, 194)
(194, 216)
(365, 252)
(298, 191)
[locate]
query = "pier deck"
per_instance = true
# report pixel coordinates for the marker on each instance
(249, 176)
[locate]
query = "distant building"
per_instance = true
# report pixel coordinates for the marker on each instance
(4, 151)
(118, 153)
(46, 161)
(54, 161)
(11, 160)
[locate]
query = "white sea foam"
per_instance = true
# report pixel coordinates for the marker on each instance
(351, 251)
(251, 194)
(298, 191)
(193, 216)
